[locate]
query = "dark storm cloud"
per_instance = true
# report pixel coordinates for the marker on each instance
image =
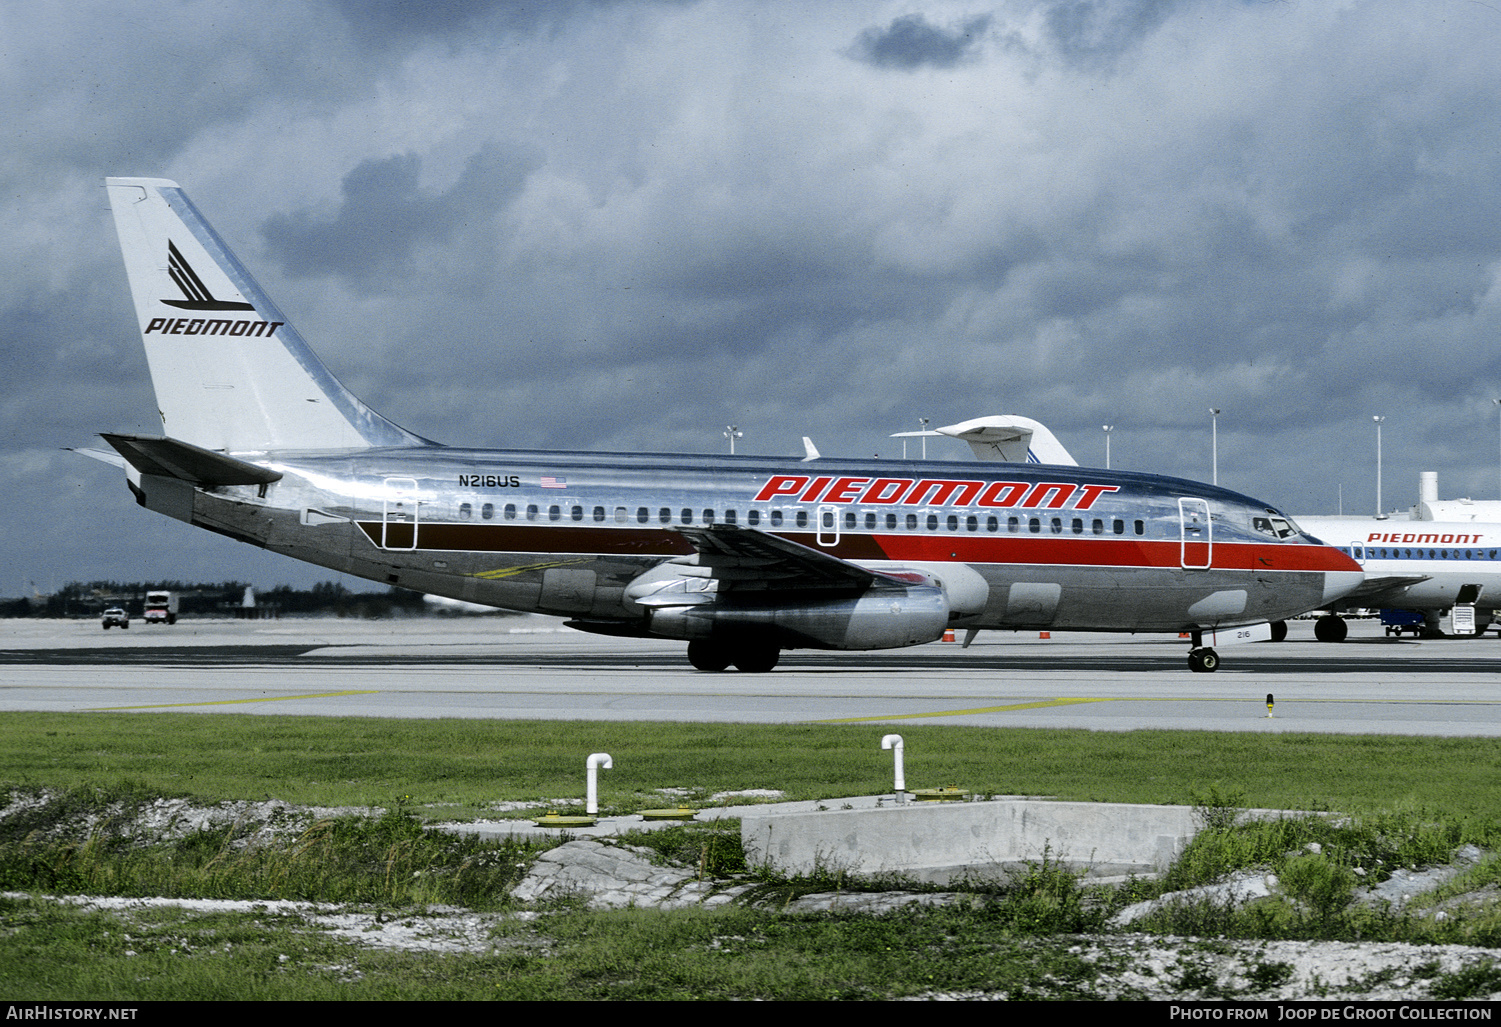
(1085, 31)
(385, 216)
(910, 42)
(400, 21)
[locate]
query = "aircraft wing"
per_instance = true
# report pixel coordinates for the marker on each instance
(1381, 590)
(745, 558)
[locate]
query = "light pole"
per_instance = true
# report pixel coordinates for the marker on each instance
(1214, 443)
(732, 433)
(1498, 404)
(1107, 429)
(1378, 419)
(924, 422)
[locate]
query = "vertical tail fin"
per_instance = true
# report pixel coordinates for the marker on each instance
(230, 373)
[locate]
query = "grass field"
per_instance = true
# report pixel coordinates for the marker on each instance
(1413, 800)
(470, 763)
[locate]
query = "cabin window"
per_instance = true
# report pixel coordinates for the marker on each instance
(870, 522)
(971, 523)
(621, 515)
(1118, 526)
(531, 511)
(1034, 525)
(912, 522)
(753, 517)
(554, 513)
(802, 518)
(664, 515)
(1078, 526)
(729, 516)
(891, 522)
(708, 516)
(849, 520)
(487, 511)
(776, 518)
(509, 511)
(932, 522)
(1140, 526)
(1057, 525)
(642, 515)
(599, 515)
(1097, 526)
(827, 519)
(953, 522)
(1013, 524)
(464, 511)
(577, 513)
(686, 516)
(992, 523)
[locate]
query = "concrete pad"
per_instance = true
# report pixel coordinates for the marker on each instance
(945, 842)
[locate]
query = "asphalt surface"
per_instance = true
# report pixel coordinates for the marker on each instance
(531, 667)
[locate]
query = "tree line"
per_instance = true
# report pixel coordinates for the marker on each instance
(216, 599)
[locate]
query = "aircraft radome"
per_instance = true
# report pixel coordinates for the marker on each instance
(739, 556)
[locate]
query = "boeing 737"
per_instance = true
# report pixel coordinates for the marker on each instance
(1428, 567)
(740, 556)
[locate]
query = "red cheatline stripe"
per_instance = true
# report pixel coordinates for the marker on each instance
(964, 547)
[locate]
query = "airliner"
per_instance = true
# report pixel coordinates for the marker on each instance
(1424, 566)
(741, 557)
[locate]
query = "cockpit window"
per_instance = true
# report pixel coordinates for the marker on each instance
(1274, 524)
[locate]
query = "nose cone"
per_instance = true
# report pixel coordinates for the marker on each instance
(1341, 583)
(1342, 575)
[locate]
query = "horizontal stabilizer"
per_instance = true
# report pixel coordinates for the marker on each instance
(169, 458)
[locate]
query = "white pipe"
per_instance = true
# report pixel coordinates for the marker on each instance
(595, 761)
(895, 742)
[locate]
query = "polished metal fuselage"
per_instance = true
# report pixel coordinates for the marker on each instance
(1014, 546)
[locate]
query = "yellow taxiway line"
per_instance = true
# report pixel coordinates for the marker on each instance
(232, 702)
(1039, 704)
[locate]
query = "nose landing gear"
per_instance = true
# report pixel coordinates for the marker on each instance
(1203, 660)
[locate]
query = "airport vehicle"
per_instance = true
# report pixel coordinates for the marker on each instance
(161, 608)
(740, 556)
(115, 617)
(1429, 567)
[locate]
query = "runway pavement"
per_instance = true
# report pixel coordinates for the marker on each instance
(531, 667)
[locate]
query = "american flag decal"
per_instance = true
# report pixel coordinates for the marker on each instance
(549, 482)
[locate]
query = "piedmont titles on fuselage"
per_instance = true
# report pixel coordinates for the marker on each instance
(874, 491)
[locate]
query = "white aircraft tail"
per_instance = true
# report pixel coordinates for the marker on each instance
(1006, 438)
(230, 373)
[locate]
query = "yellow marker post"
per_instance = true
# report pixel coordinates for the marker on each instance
(1269, 706)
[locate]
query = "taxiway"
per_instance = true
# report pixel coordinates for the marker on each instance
(532, 668)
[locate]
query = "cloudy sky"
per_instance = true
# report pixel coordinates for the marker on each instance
(624, 225)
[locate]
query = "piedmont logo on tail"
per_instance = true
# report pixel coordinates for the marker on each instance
(741, 557)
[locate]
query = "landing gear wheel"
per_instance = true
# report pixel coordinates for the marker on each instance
(1330, 628)
(756, 659)
(1203, 661)
(708, 656)
(1279, 631)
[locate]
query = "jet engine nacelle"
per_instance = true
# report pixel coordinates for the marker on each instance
(879, 619)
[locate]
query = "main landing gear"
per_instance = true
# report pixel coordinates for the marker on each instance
(1202, 659)
(748, 657)
(1330, 628)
